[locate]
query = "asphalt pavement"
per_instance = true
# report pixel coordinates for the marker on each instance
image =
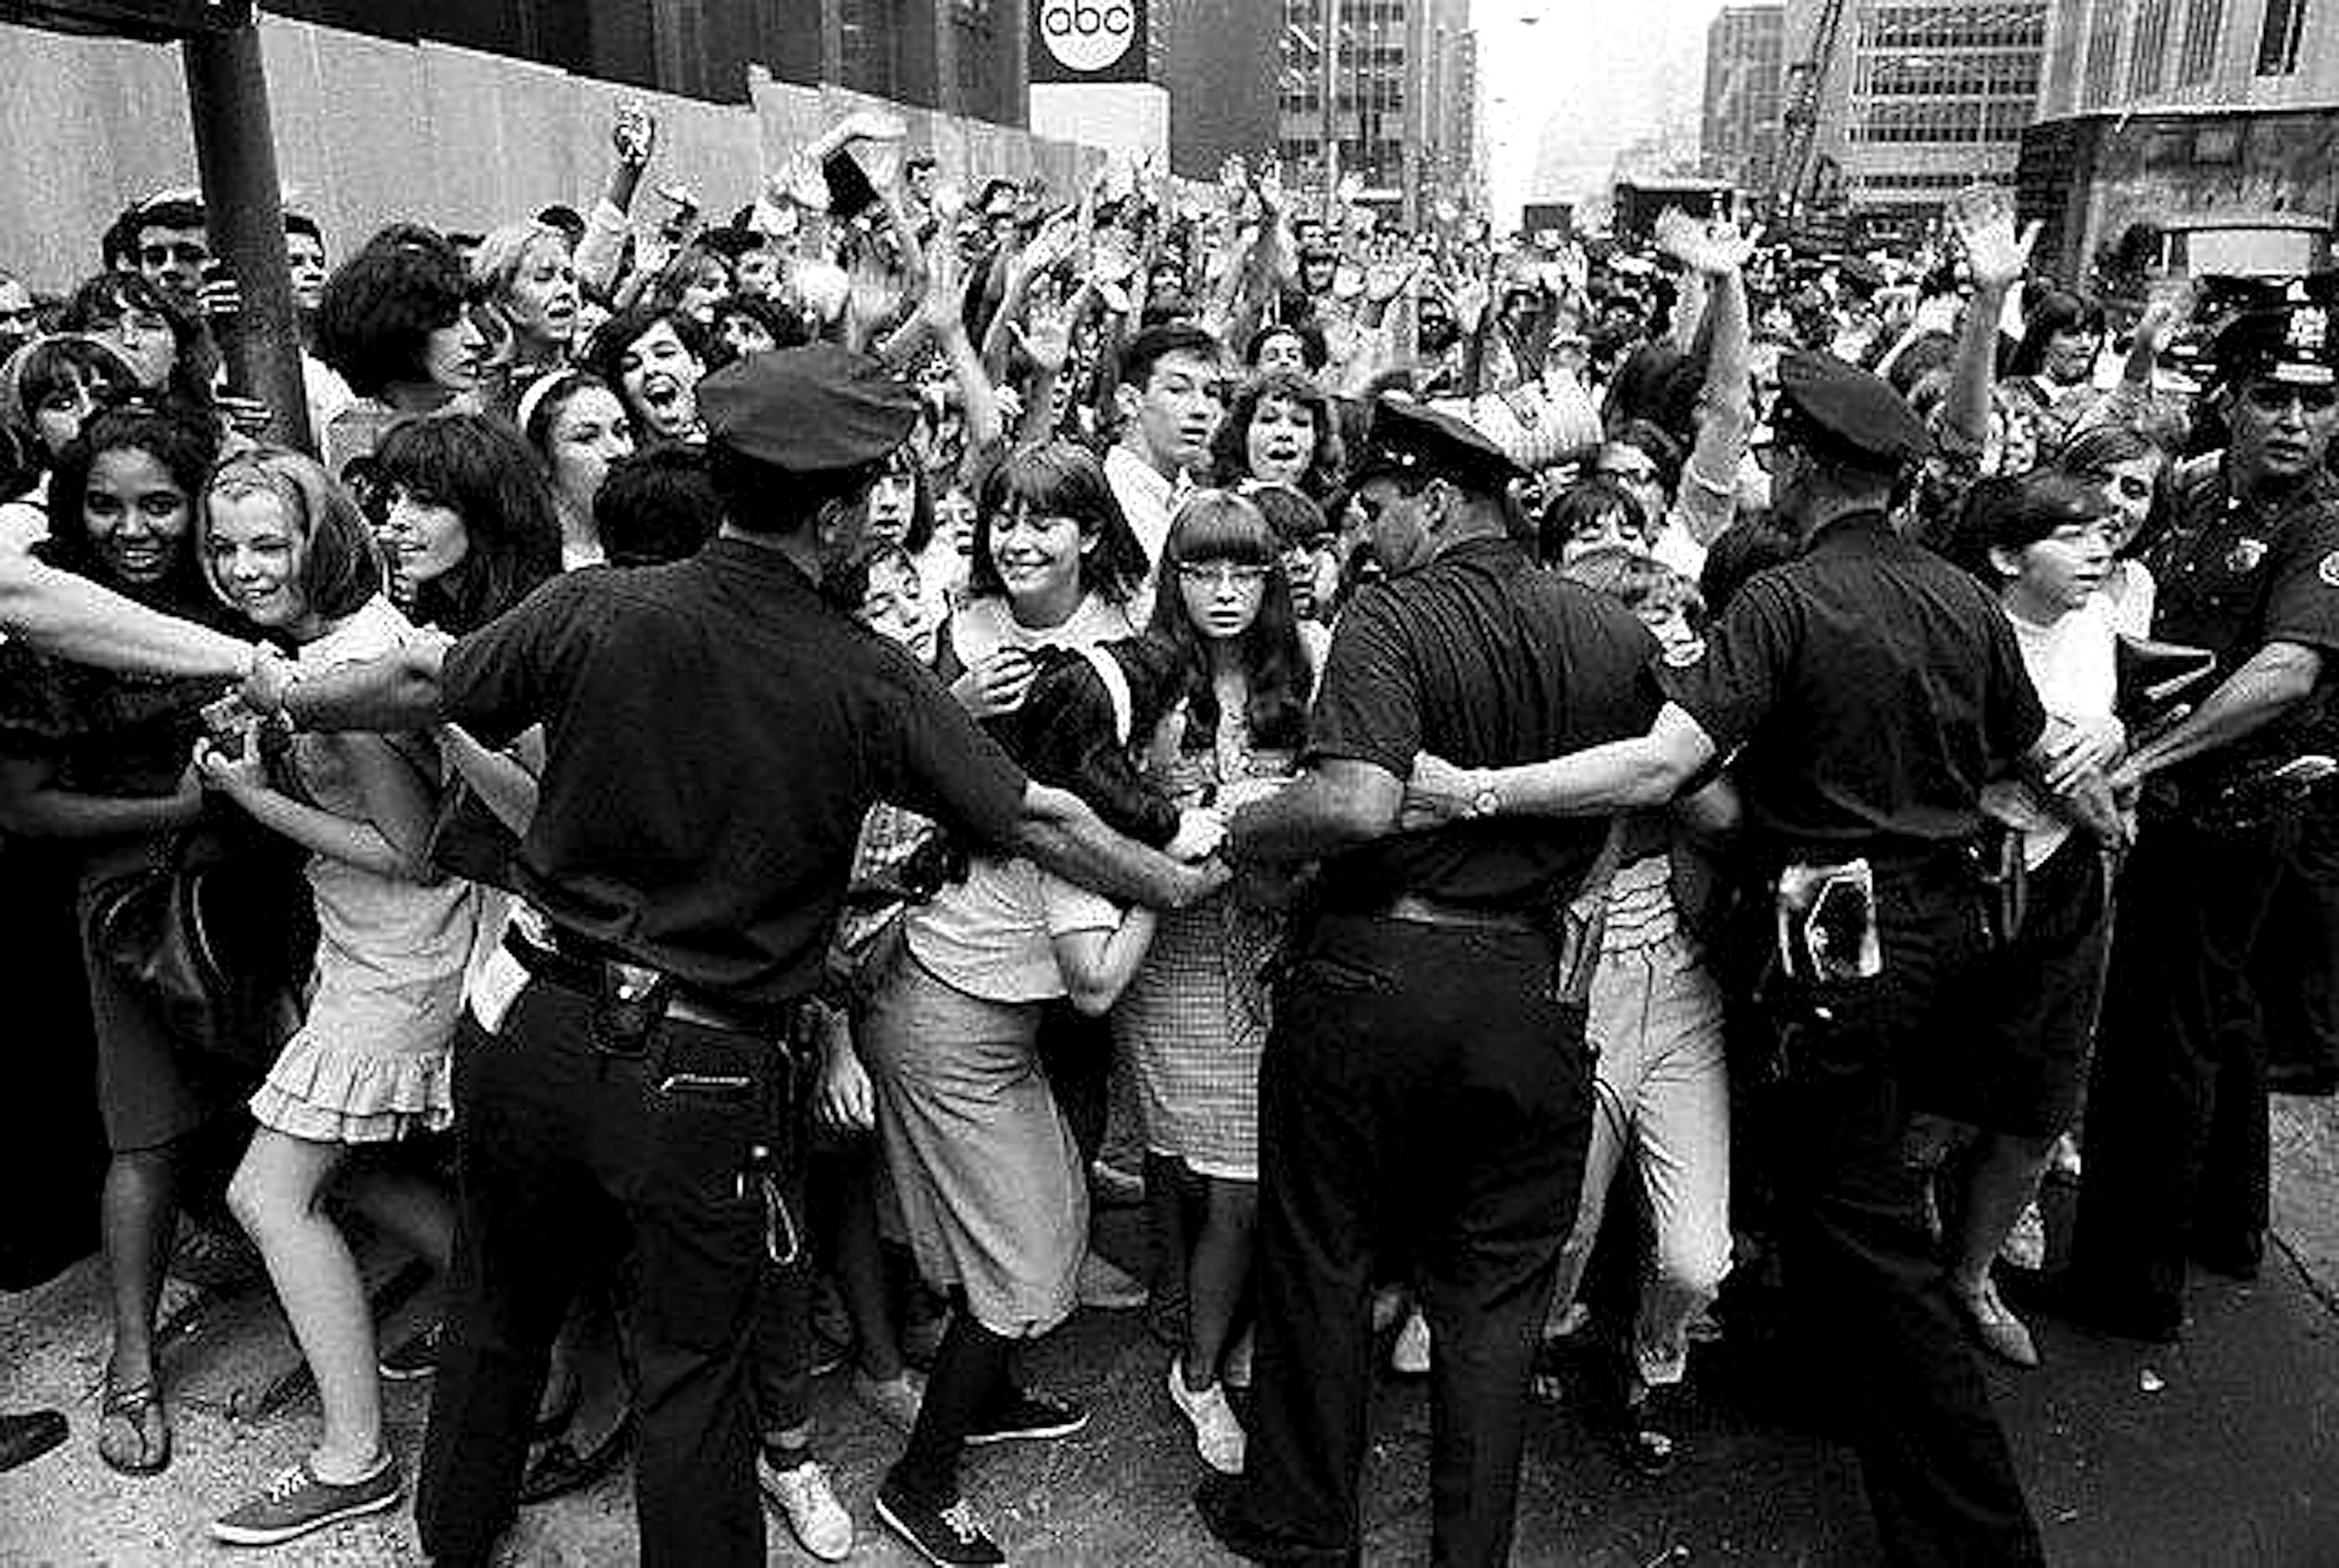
(2223, 1450)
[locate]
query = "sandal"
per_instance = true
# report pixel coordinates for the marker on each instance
(133, 1430)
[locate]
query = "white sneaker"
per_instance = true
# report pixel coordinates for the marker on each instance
(1218, 1435)
(2025, 1245)
(1410, 1354)
(818, 1521)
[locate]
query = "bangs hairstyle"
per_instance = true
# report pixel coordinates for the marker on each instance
(2057, 311)
(46, 367)
(341, 565)
(183, 442)
(2017, 512)
(1066, 732)
(477, 467)
(1586, 501)
(1059, 479)
(380, 306)
(611, 340)
(1222, 526)
(1230, 448)
(2095, 450)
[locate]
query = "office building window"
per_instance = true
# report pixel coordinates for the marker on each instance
(2147, 53)
(2205, 20)
(2285, 22)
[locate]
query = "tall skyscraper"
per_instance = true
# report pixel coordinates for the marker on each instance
(1403, 95)
(1919, 97)
(1738, 131)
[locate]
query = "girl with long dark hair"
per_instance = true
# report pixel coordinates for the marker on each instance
(1196, 1016)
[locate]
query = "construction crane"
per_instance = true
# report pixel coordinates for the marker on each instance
(1798, 180)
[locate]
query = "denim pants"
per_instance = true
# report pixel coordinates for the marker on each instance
(1662, 1088)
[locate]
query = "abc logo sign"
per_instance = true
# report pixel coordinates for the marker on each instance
(1087, 35)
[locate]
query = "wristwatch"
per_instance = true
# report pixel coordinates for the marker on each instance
(1485, 800)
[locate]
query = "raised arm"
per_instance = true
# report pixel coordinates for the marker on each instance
(1996, 257)
(1717, 253)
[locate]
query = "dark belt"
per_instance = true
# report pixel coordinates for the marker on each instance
(1419, 909)
(573, 970)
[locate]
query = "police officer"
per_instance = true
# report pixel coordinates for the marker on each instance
(716, 733)
(1868, 689)
(1424, 1084)
(2177, 1110)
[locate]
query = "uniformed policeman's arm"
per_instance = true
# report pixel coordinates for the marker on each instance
(395, 693)
(1057, 830)
(1643, 770)
(1338, 804)
(2277, 678)
(72, 617)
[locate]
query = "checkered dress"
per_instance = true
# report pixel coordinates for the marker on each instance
(1196, 1016)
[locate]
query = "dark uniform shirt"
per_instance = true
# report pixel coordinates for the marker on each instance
(717, 734)
(1482, 659)
(2232, 578)
(1875, 688)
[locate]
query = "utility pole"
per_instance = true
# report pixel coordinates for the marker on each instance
(243, 206)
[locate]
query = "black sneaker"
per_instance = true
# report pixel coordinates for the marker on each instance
(1027, 1414)
(415, 1358)
(297, 1502)
(947, 1536)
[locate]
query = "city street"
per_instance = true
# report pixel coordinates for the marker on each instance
(2224, 1451)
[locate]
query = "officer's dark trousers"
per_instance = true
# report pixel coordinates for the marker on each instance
(1883, 1353)
(556, 1145)
(1419, 1087)
(2296, 967)
(2177, 1145)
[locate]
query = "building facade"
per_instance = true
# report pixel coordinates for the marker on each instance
(1919, 97)
(2114, 56)
(1386, 90)
(2184, 136)
(962, 57)
(1745, 67)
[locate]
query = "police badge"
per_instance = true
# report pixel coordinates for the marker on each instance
(2246, 555)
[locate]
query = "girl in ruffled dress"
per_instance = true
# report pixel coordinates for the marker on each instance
(369, 1066)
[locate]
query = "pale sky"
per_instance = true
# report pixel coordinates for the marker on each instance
(1563, 92)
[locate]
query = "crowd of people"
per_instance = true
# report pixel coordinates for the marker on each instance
(772, 766)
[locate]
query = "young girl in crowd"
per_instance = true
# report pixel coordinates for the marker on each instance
(49, 388)
(2044, 540)
(289, 551)
(1055, 564)
(164, 347)
(1196, 1017)
(522, 273)
(1593, 514)
(1662, 1090)
(577, 427)
(989, 1178)
(2132, 471)
(1278, 430)
(470, 527)
(102, 760)
(654, 356)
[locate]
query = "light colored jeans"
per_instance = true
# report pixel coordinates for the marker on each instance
(1663, 1088)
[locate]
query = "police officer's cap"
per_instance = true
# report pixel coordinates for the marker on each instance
(1410, 440)
(1839, 410)
(2293, 339)
(809, 410)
